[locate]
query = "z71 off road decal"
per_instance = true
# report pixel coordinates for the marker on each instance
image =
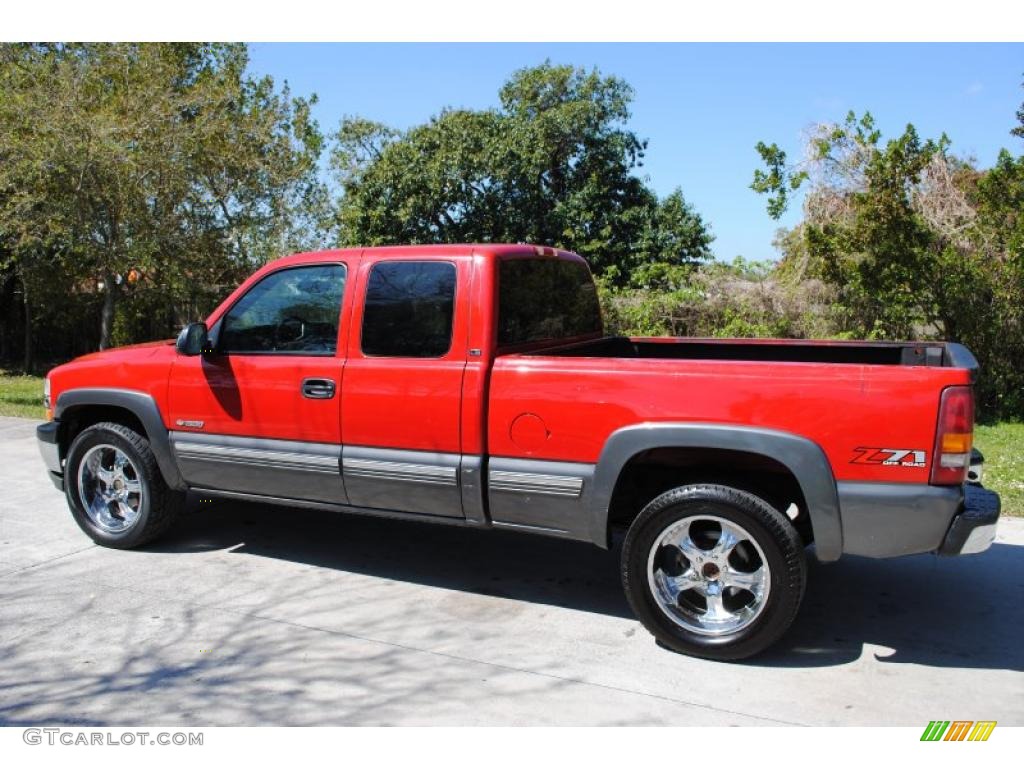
(890, 457)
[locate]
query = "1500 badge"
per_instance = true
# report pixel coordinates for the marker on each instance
(890, 457)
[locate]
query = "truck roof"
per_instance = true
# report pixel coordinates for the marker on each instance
(490, 250)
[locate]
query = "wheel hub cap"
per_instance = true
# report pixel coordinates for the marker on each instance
(708, 575)
(110, 488)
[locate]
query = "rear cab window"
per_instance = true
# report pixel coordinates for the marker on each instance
(545, 300)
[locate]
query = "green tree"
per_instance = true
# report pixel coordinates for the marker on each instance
(554, 164)
(165, 159)
(1018, 130)
(861, 229)
(916, 243)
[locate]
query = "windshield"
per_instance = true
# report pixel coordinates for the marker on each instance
(545, 299)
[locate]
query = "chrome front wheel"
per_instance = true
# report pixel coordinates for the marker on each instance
(115, 489)
(110, 488)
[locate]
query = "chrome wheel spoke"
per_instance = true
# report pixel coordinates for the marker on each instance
(752, 581)
(99, 508)
(716, 611)
(688, 580)
(690, 549)
(126, 512)
(727, 539)
(132, 486)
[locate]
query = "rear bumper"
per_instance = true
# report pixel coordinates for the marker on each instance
(974, 528)
(49, 449)
(894, 519)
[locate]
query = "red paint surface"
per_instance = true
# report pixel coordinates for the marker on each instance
(466, 402)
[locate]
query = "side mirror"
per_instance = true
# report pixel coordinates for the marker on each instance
(192, 340)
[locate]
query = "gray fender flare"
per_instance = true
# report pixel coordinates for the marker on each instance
(145, 409)
(804, 458)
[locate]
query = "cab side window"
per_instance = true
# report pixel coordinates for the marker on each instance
(409, 309)
(293, 311)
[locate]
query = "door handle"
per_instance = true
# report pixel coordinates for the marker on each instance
(318, 389)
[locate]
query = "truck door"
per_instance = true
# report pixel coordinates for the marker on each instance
(403, 385)
(260, 414)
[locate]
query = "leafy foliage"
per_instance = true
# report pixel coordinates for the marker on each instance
(741, 299)
(777, 179)
(1018, 130)
(159, 160)
(140, 182)
(553, 165)
(915, 242)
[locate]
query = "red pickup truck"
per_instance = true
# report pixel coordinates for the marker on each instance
(474, 385)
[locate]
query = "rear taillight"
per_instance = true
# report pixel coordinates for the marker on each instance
(953, 437)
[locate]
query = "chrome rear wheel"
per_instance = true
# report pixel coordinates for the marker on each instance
(713, 571)
(708, 575)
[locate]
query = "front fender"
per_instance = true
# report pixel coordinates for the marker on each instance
(143, 407)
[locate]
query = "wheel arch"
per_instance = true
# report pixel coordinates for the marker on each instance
(77, 409)
(802, 458)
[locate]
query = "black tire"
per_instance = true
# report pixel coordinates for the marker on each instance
(771, 530)
(159, 505)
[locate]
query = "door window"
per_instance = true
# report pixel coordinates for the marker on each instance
(409, 309)
(290, 312)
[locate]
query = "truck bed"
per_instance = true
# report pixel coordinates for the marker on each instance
(844, 396)
(772, 350)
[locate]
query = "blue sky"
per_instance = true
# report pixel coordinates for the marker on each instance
(702, 107)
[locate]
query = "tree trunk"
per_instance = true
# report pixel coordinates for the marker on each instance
(107, 316)
(28, 361)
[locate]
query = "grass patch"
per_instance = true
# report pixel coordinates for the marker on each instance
(21, 395)
(1003, 446)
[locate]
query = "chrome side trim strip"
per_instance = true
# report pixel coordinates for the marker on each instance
(399, 470)
(294, 469)
(531, 528)
(527, 482)
(421, 482)
(256, 457)
(539, 495)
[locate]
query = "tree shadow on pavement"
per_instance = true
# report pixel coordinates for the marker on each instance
(313, 618)
(188, 665)
(498, 563)
(942, 612)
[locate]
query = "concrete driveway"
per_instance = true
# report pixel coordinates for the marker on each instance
(253, 615)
